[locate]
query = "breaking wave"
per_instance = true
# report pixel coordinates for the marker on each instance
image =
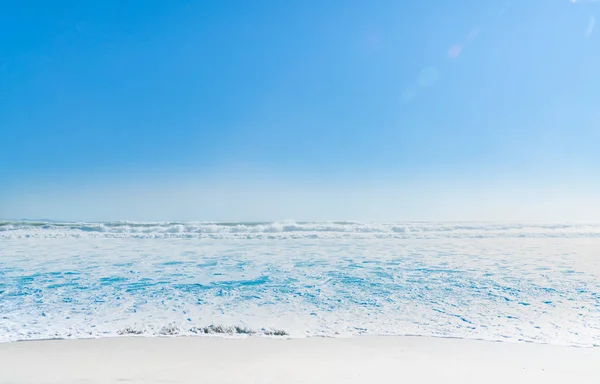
(294, 230)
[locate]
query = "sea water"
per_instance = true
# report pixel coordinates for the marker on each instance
(494, 281)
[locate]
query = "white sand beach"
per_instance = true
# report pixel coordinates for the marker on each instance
(310, 360)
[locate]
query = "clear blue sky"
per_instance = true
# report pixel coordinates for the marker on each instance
(267, 110)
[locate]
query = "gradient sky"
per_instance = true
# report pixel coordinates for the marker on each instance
(308, 110)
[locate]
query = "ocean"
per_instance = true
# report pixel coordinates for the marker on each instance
(517, 282)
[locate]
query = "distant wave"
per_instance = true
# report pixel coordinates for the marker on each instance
(292, 230)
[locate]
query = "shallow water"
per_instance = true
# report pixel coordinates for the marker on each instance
(515, 282)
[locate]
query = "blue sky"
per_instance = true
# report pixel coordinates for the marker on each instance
(308, 110)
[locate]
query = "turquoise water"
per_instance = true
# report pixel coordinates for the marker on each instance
(496, 282)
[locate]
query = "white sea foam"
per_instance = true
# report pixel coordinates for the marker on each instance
(291, 229)
(532, 282)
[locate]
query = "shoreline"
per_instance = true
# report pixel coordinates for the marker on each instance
(292, 337)
(380, 359)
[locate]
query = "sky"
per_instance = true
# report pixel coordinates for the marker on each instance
(309, 110)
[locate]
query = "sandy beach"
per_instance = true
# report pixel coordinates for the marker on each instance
(310, 360)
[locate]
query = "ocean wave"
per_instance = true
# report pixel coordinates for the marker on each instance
(294, 230)
(150, 331)
(226, 330)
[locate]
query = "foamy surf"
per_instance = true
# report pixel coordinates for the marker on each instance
(295, 230)
(510, 282)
